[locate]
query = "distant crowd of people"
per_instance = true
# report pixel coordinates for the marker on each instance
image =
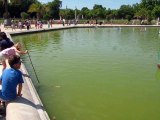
(62, 21)
(37, 24)
(17, 24)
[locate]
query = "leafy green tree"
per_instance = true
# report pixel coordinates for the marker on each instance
(1, 8)
(54, 7)
(148, 4)
(125, 11)
(24, 6)
(46, 16)
(149, 17)
(38, 9)
(6, 13)
(85, 12)
(98, 11)
(15, 7)
(128, 17)
(146, 9)
(24, 15)
(109, 14)
(70, 14)
(6, 3)
(62, 13)
(91, 14)
(142, 14)
(156, 12)
(114, 14)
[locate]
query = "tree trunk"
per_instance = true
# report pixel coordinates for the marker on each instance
(6, 5)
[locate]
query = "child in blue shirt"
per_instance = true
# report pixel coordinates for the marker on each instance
(11, 79)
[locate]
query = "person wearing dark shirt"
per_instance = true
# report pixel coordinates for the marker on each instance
(5, 42)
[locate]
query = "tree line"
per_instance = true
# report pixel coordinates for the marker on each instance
(145, 10)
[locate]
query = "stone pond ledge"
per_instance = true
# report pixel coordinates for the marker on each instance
(29, 106)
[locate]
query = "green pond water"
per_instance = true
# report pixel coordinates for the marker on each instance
(96, 73)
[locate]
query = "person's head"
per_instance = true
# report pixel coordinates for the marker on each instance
(17, 46)
(15, 62)
(3, 35)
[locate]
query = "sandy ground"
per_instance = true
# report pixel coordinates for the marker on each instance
(9, 29)
(45, 26)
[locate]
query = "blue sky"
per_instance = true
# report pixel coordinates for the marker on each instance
(113, 4)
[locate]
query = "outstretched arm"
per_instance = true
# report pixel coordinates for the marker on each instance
(22, 52)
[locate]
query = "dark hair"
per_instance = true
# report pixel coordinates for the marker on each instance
(13, 60)
(3, 35)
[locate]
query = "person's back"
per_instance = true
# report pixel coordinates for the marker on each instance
(9, 43)
(8, 52)
(10, 79)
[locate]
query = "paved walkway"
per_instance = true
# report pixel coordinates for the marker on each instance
(9, 29)
(45, 26)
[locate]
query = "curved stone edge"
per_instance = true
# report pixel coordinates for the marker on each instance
(40, 108)
(29, 106)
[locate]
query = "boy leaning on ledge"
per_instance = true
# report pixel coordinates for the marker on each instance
(11, 79)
